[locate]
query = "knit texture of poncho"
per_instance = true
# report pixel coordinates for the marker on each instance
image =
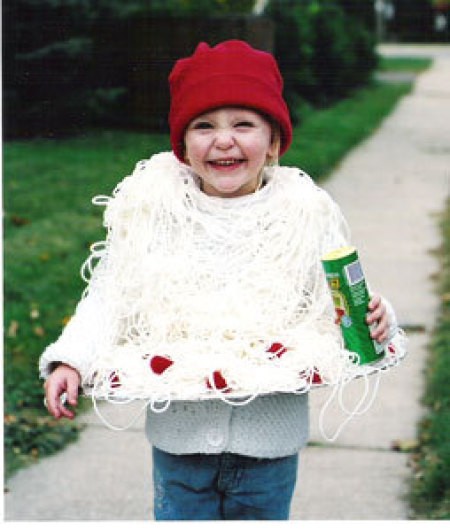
(206, 296)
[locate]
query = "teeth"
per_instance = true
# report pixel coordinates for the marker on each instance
(228, 162)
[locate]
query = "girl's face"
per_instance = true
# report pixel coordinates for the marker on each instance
(228, 148)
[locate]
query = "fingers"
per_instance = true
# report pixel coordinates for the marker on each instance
(380, 331)
(72, 391)
(54, 399)
(62, 410)
(378, 320)
(64, 381)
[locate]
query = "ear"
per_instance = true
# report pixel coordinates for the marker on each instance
(185, 156)
(273, 151)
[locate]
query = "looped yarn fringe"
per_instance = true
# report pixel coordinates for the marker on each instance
(395, 352)
(208, 298)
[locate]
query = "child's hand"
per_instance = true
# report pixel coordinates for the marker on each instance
(64, 379)
(378, 317)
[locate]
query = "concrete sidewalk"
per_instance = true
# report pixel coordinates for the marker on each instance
(391, 189)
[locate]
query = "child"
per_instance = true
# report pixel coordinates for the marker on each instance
(210, 285)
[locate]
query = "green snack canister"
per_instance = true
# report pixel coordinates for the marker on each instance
(348, 287)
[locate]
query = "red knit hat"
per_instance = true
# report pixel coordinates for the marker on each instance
(229, 74)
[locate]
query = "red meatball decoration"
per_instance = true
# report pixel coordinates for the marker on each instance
(219, 382)
(316, 379)
(159, 364)
(115, 380)
(278, 349)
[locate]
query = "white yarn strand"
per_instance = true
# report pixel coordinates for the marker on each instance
(212, 285)
(337, 391)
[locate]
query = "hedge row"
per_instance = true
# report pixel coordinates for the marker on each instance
(323, 52)
(71, 65)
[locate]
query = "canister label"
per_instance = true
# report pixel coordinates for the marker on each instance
(350, 296)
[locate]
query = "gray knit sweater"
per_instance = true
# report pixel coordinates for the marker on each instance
(269, 426)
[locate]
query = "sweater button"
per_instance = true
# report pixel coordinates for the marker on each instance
(214, 437)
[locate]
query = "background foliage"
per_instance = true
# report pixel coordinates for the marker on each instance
(323, 52)
(72, 64)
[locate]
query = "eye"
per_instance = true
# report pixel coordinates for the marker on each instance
(244, 124)
(201, 125)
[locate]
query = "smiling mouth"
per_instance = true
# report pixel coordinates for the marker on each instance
(226, 163)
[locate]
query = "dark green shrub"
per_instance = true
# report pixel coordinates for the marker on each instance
(413, 21)
(294, 52)
(344, 54)
(361, 10)
(70, 65)
(323, 52)
(47, 66)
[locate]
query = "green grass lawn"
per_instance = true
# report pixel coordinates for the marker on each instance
(430, 492)
(49, 224)
(404, 64)
(326, 135)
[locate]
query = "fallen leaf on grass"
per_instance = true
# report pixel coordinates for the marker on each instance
(13, 329)
(39, 331)
(66, 319)
(9, 419)
(405, 445)
(19, 221)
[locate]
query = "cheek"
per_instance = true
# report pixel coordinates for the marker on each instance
(260, 149)
(193, 159)
(195, 146)
(194, 155)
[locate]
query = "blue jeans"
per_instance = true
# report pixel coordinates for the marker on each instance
(222, 487)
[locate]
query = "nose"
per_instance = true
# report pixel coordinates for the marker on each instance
(224, 138)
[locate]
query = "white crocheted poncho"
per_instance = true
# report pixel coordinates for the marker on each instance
(205, 296)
